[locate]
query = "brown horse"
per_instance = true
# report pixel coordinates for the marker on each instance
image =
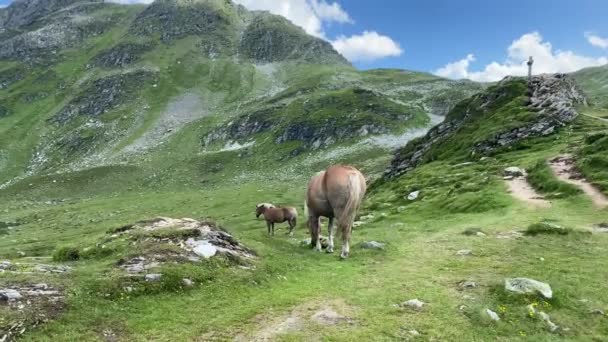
(335, 193)
(274, 215)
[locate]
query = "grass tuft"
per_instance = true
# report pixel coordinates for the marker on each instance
(541, 177)
(547, 228)
(66, 253)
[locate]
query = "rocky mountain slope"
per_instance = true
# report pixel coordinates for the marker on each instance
(101, 83)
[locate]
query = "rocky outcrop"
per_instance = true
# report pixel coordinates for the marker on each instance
(270, 38)
(121, 55)
(104, 94)
(174, 20)
(37, 30)
(552, 100)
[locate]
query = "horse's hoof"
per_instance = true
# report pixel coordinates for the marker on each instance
(343, 256)
(329, 250)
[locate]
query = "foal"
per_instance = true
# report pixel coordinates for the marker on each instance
(274, 215)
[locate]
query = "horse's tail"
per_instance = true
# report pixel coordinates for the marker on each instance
(355, 194)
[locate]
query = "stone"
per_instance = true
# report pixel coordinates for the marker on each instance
(414, 304)
(10, 294)
(493, 315)
(187, 282)
(153, 277)
(205, 249)
(513, 171)
(552, 326)
(464, 252)
(528, 286)
(413, 195)
(372, 245)
(467, 284)
(598, 312)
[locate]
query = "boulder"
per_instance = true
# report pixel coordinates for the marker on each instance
(9, 295)
(528, 286)
(187, 282)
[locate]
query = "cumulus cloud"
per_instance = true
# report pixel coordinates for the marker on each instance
(596, 40)
(546, 60)
(308, 14)
(366, 47)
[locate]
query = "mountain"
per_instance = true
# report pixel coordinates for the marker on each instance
(103, 83)
(136, 141)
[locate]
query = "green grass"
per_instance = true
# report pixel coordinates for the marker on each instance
(541, 177)
(546, 228)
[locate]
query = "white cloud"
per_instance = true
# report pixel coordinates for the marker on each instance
(308, 14)
(366, 47)
(546, 60)
(456, 70)
(596, 40)
(330, 12)
(3, 5)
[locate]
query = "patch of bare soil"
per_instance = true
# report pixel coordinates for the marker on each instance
(24, 307)
(308, 315)
(523, 191)
(564, 168)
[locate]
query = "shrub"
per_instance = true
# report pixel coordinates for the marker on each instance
(547, 228)
(66, 254)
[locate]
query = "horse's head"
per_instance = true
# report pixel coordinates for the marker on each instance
(261, 208)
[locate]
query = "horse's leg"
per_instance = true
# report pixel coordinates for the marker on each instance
(268, 225)
(330, 228)
(292, 225)
(315, 231)
(346, 229)
(272, 225)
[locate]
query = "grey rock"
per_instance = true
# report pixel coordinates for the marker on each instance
(552, 326)
(598, 312)
(187, 282)
(513, 171)
(153, 277)
(467, 284)
(414, 304)
(10, 294)
(372, 245)
(493, 315)
(413, 195)
(464, 252)
(528, 286)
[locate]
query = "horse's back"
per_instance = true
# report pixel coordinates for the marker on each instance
(339, 182)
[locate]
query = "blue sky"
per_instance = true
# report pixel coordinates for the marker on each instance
(476, 39)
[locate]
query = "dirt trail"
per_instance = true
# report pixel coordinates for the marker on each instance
(564, 168)
(523, 191)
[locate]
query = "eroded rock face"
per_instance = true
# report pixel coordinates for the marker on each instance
(552, 98)
(104, 94)
(121, 55)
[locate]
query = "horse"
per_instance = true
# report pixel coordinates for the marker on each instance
(274, 215)
(335, 193)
